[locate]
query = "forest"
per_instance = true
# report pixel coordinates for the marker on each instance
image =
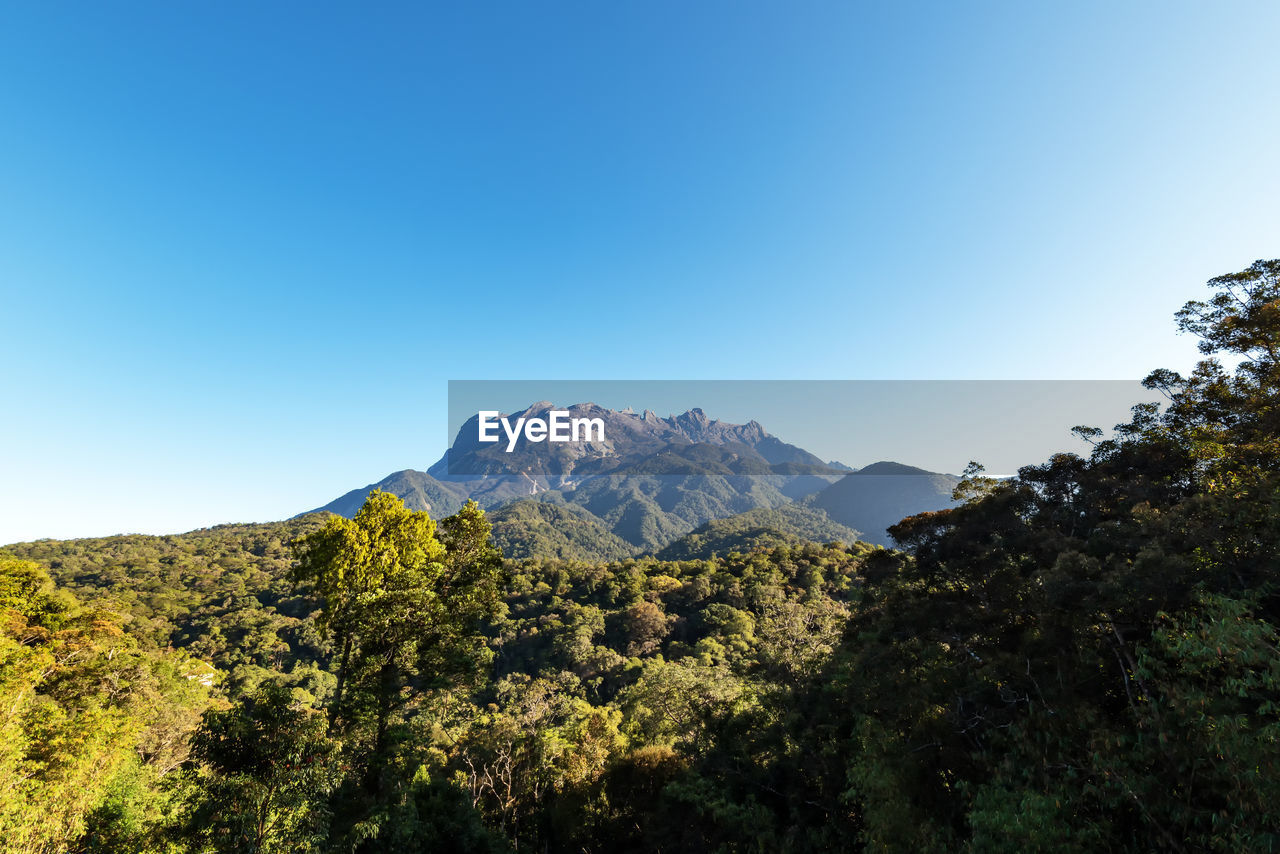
(1083, 657)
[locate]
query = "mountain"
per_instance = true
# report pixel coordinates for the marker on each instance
(651, 481)
(647, 482)
(756, 530)
(882, 494)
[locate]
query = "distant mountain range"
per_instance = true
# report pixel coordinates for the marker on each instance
(685, 485)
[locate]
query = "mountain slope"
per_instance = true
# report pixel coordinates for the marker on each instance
(418, 490)
(529, 528)
(882, 494)
(758, 529)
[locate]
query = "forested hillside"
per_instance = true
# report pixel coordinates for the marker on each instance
(220, 594)
(566, 672)
(1081, 658)
(92, 717)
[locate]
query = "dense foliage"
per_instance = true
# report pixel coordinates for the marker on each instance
(86, 713)
(534, 528)
(1082, 658)
(758, 529)
(588, 671)
(220, 594)
(1085, 657)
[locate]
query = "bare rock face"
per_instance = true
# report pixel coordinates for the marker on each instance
(630, 441)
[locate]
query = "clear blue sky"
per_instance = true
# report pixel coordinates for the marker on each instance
(244, 245)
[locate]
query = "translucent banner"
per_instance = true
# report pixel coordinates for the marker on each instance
(566, 430)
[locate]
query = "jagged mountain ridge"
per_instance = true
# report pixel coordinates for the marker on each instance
(689, 443)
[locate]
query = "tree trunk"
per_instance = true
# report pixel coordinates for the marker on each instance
(342, 680)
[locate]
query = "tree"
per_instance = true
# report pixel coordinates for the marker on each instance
(80, 700)
(1084, 656)
(536, 743)
(268, 769)
(405, 609)
(368, 571)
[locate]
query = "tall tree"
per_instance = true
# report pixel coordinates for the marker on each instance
(404, 610)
